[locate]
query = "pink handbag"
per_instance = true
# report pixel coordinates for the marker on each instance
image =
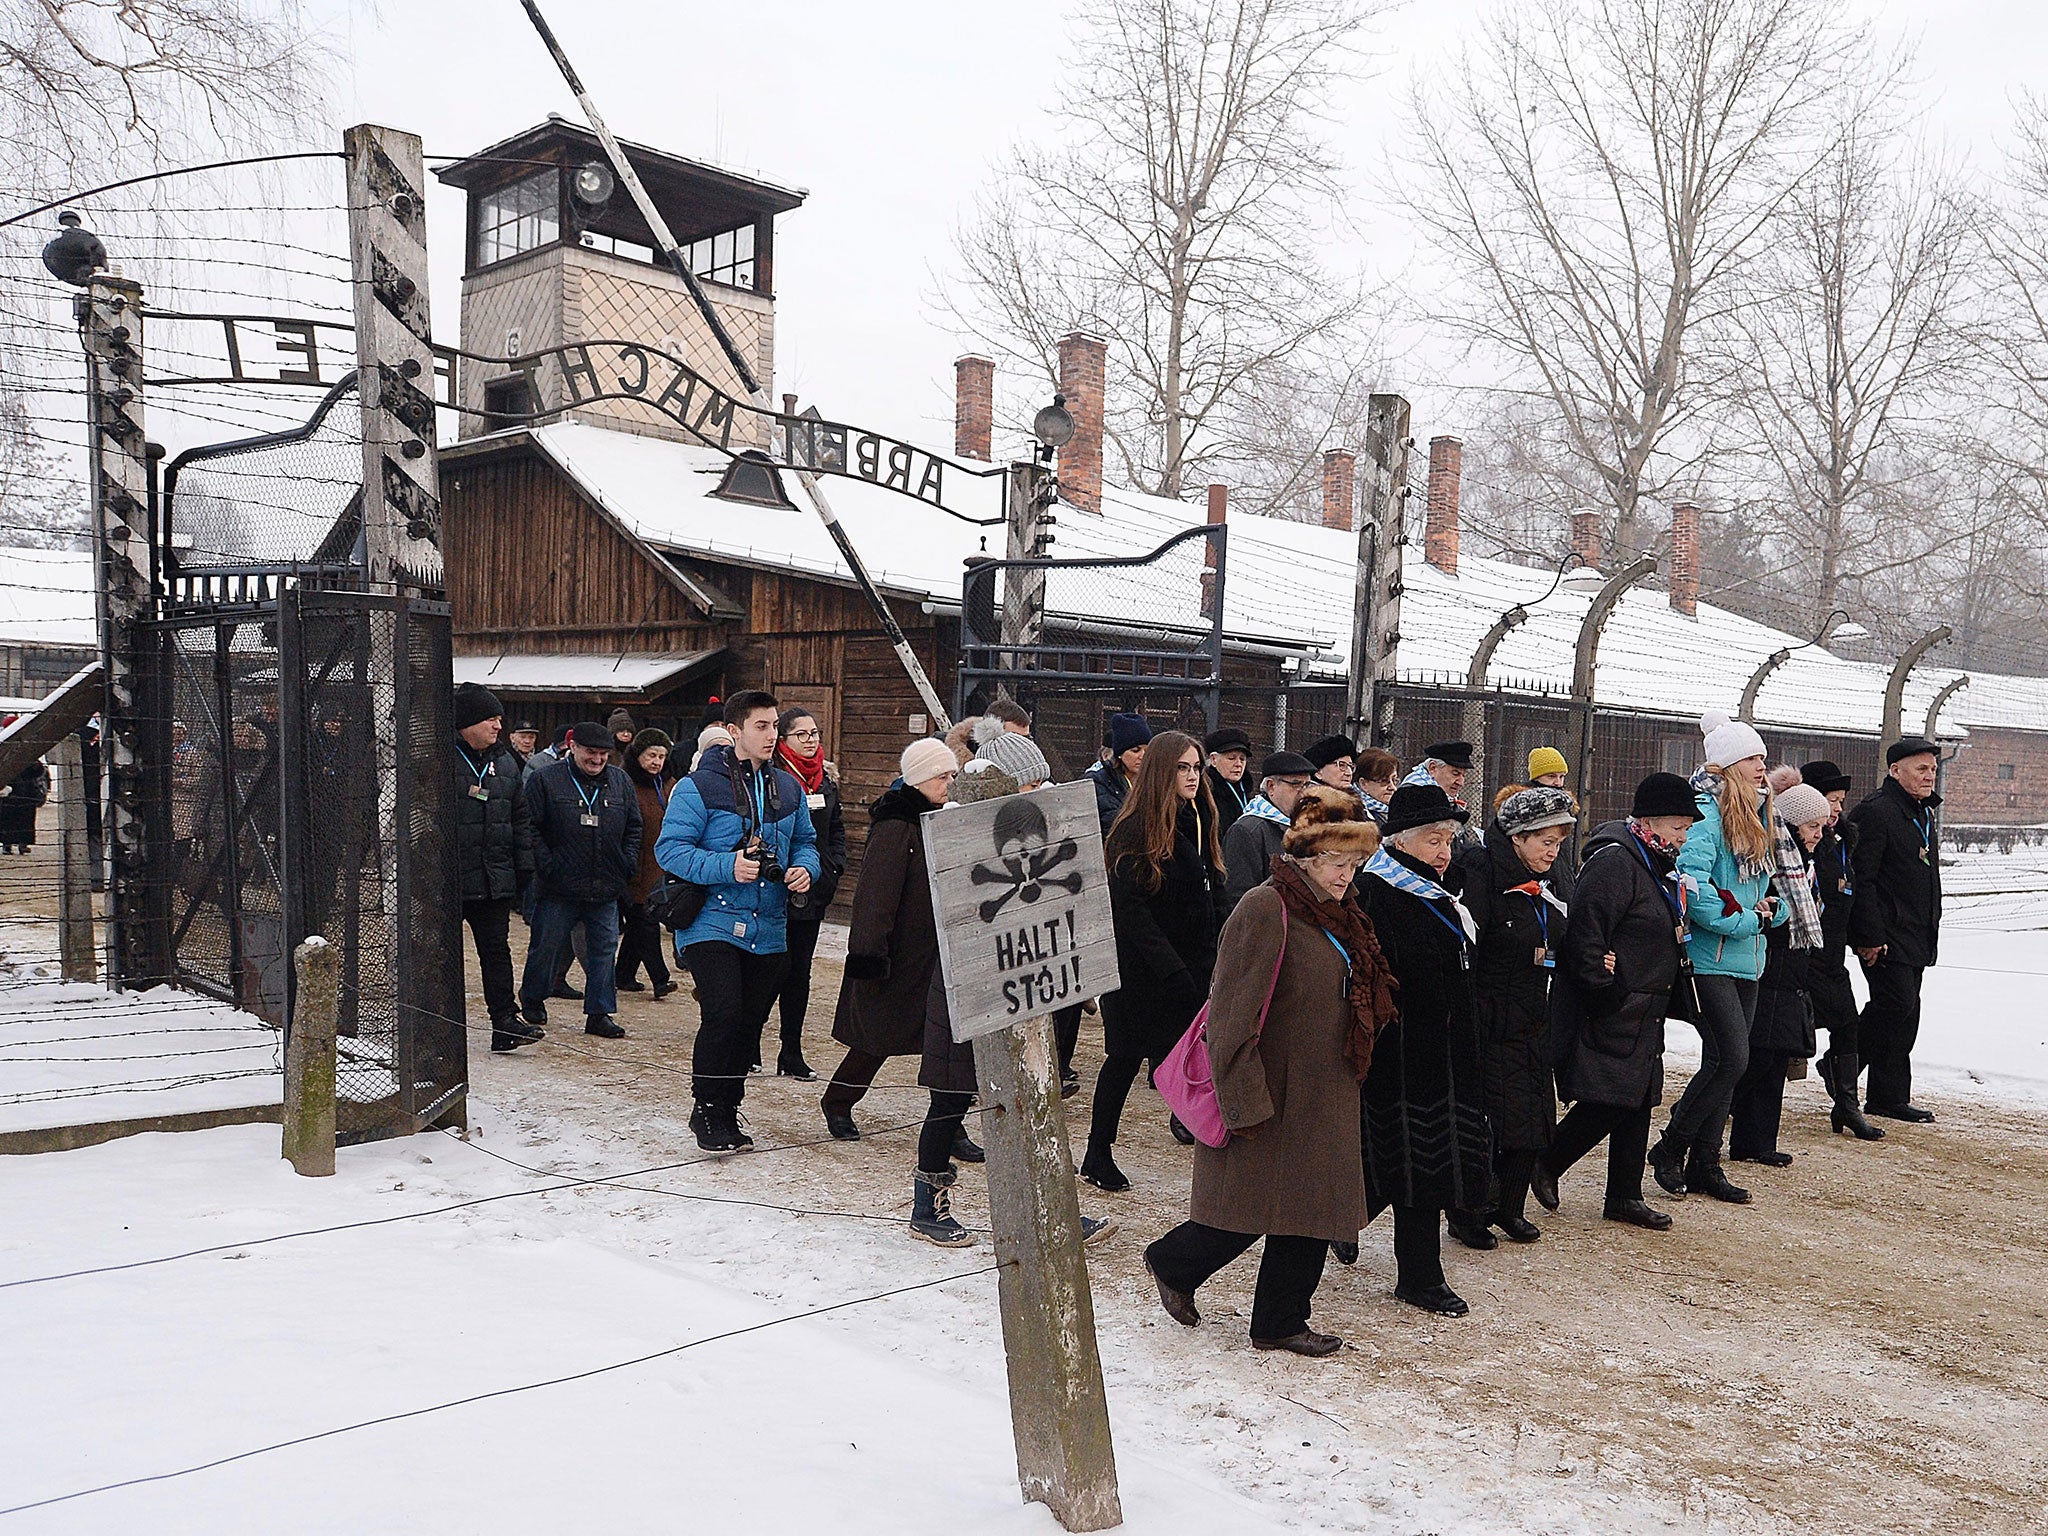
(1188, 1083)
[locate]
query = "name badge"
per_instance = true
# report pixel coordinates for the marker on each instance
(1464, 959)
(739, 930)
(478, 792)
(1544, 957)
(816, 802)
(587, 819)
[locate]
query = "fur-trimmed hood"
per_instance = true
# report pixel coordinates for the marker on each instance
(1330, 821)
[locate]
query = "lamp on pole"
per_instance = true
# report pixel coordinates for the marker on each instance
(1585, 661)
(1575, 574)
(1895, 686)
(1848, 629)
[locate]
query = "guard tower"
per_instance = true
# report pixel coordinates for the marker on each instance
(555, 253)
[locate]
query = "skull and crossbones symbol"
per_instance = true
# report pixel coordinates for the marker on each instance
(1025, 858)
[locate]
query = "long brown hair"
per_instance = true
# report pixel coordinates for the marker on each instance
(1144, 829)
(1745, 826)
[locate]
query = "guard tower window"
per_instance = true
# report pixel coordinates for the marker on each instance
(726, 257)
(508, 402)
(521, 216)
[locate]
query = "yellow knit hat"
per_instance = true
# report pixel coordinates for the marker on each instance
(1547, 760)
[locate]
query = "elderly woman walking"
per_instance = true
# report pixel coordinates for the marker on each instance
(1301, 992)
(1505, 883)
(1427, 1146)
(1728, 862)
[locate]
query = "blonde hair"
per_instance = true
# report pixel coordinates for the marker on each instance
(1745, 826)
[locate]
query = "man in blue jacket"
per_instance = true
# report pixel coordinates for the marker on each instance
(586, 831)
(741, 828)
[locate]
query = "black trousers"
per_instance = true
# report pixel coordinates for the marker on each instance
(849, 1084)
(1112, 1088)
(1066, 1034)
(796, 983)
(1727, 1010)
(941, 1128)
(1758, 1105)
(1628, 1145)
(735, 990)
(1289, 1271)
(1418, 1246)
(490, 925)
(640, 943)
(1511, 1171)
(1890, 1025)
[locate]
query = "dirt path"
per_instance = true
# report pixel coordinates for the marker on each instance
(1864, 1348)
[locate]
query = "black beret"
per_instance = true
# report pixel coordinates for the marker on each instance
(588, 733)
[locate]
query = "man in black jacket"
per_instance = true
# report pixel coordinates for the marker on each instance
(586, 828)
(1895, 925)
(494, 847)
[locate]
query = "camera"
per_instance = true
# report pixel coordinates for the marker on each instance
(763, 855)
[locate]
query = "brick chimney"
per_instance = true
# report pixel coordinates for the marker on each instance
(1586, 535)
(1340, 467)
(1440, 525)
(1219, 514)
(974, 407)
(1084, 367)
(1685, 559)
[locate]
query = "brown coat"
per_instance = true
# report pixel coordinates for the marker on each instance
(892, 942)
(652, 810)
(1300, 1175)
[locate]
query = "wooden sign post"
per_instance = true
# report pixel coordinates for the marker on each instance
(1024, 927)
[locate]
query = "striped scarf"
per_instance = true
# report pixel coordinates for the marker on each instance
(1266, 810)
(1795, 883)
(1402, 878)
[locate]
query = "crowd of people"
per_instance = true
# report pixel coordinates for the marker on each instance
(1397, 990)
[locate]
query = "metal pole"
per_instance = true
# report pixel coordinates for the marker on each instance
(1895, 685)
(1585, 665)
(672, 254)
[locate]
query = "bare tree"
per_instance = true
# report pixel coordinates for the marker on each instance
(1859, 325)
(1599, 172)
(1173, 216)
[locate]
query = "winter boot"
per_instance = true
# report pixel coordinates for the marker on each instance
(1703, 1173)
(1100, 1169)
(604, 1026)
(1667, 1162)
(964, 1148)
(1845, 1116)
(734, 1126)
(791, 1063)
(931, 1211)
(1470, 1230)
(511, 1032)
(841, 1125)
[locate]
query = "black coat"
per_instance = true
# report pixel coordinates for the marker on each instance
(1827, 970)
(1111, 789)
(573, 862)
(1427, 1142)
(1231, 799)
(828, 821)
(29, 793)
(892, 944)
(1512, 1005)
(494, 835)
(1609, 1029)
(1249, 848)
(1784, 1016)
(1898, 876)
(1165, 948)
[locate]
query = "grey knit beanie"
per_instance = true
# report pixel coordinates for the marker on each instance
(1018, 756)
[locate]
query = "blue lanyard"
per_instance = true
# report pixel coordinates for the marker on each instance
(1923, 823)
(479, 772)
(760, 802)
(1456, 928)
(661, 792)
(1669, 900)
(1338, 944)
(590, 800)
(1542, 918)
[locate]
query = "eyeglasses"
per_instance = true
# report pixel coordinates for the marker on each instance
(1194, 768)
(810, 735)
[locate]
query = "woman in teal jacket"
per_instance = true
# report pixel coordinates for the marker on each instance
(1726, 867)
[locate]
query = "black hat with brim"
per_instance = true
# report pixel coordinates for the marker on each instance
(1824, 776)
(1280, 764)
(1322, 753)
(1665, 794)
(589, 733)
(1911, 746)
(1421, 805)
(1452, 754)
(1229, 739)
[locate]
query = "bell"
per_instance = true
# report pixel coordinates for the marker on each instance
(76, 254)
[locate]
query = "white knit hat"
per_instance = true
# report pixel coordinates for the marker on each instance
(1729, 741)
(926, 758)
(1803, 803)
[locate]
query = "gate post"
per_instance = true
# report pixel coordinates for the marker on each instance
(110, 324)
(74, 910)
(1376, 608)
(1023, 589)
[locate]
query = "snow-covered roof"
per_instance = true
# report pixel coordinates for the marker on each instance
(1285, 583)
(610, 675)
(46, 597)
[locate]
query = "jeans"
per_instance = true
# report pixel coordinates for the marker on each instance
(490, 925)
(1628, 1145)
(1890, 1025)
(1289, 1271)
(1758, 1105)
(553, 918)
(1727, 1008)
(795, 1001)
(735, 990)
(641, 944)
(942, 1124)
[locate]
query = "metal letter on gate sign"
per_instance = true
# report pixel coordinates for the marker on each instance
(1022, 903)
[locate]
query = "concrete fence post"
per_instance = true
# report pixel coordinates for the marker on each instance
(309, 1060)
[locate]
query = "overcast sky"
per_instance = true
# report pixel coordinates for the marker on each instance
(890, 115)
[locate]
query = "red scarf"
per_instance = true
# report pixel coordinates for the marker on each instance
(809, 771)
